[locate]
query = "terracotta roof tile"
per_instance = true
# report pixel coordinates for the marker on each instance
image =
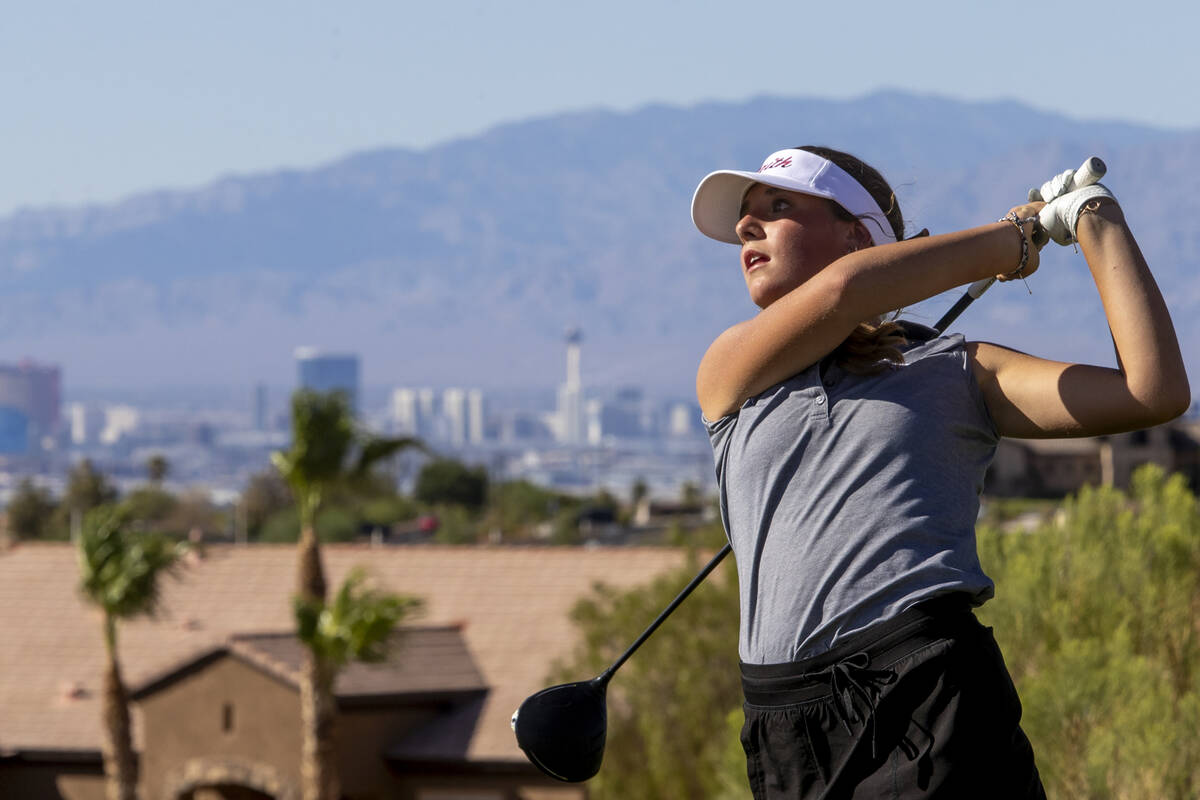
(511, 602)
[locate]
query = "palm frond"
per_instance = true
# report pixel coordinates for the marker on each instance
(376, 449)
(355, 625)
(120, 568)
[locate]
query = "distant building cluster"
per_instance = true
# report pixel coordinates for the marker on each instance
(579, 438)
(455, 416)
(463, 417)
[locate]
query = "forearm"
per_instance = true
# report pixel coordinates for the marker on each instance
(880, 280)
(1148, 353)
(814, 318)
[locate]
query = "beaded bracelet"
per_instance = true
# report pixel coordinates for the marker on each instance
(1020, 225)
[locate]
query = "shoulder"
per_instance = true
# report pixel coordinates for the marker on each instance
(988, 360)
(712, 391)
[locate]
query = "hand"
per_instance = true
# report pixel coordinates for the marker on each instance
(1054, 188)
(1030, 230)
(1060, 216)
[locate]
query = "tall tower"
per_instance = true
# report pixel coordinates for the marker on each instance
(325, 372)
(570, 394)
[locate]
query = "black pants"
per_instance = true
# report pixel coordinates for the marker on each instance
(920, 706)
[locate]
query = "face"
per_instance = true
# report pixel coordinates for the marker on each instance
(787, 238)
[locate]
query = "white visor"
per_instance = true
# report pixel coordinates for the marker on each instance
(716, 206)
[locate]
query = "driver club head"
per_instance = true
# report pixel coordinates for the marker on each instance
(562, 729)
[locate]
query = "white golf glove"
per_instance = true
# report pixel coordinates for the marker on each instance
(1054, 188)
(1060, 215)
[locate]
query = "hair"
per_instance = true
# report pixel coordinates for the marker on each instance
(875, 344)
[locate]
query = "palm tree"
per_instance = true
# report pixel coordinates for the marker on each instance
(355, 626)
(327, 452)
(119, 574)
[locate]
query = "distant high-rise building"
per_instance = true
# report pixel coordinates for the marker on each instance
(623, 416)
(327, 372)
(414, 413)
(476, 417)
(118, 422)
(426, 409)
(570, 394)
(14, 431)
(405, 414)
(85, 423)
(683, 418)
(454, 409)
(31, 391)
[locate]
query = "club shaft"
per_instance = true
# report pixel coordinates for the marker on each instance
(1089, 172)
(953, 312)
(679, 598)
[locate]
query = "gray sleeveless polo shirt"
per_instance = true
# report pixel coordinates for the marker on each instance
(848, 498)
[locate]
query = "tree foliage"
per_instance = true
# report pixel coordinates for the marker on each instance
(87, 488)
(329, 453)
(322, 441)
(30, 511)
(444, 481)
(674, 708)
(1098, 615)
(517, 507)
(356, 625)
(149, 506)
(1097, 612)
(333, 524)
(265, 495)
(157, 467)
(120, 569)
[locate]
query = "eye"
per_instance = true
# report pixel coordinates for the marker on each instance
(779, 205)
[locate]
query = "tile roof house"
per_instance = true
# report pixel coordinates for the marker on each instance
(214, 675)
(1058, 467)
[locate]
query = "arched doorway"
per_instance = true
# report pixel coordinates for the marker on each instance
(225, 791)
(228, 779)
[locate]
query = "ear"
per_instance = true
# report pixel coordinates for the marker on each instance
(857, 236)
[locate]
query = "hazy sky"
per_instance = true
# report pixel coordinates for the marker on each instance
(101, 100)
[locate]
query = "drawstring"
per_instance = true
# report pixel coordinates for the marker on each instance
(848, 679)
(851, 678)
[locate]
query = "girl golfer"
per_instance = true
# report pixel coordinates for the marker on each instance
(850, 454)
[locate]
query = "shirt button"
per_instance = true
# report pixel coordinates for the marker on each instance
(821, 400)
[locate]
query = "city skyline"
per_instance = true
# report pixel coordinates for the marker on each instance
(637, 438)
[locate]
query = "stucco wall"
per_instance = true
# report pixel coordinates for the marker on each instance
(186, 736)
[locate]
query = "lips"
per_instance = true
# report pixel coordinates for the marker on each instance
(752, 259)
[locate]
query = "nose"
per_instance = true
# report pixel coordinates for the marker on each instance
(748, 228)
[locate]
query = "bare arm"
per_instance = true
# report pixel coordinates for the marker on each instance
(811, 320)
(1030, 397)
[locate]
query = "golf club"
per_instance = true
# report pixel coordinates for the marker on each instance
(562, 729)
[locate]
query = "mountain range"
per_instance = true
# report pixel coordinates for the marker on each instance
(465, 263)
